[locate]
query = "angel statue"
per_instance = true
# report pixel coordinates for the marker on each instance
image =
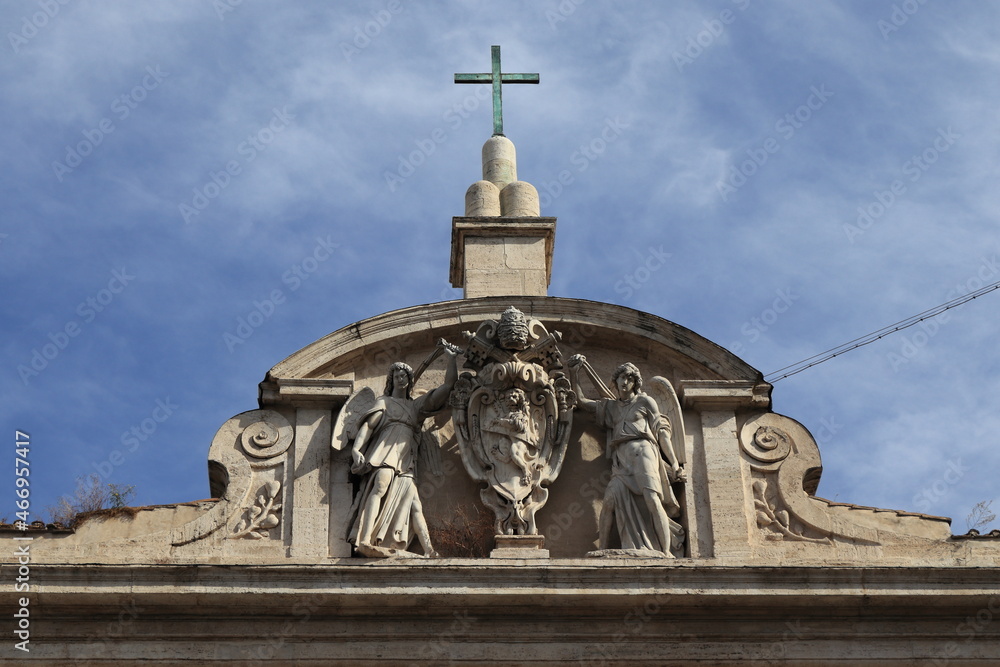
(388, 438)
(642, 443)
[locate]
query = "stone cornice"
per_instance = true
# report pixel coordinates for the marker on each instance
(555, 312)
(311, 392)
(471, 582)
(570, 612)
(707, 395)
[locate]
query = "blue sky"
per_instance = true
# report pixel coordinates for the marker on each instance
(814, 171)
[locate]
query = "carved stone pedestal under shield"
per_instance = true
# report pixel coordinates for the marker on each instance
(519, 546)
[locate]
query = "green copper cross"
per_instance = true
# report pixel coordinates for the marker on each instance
(496, 78)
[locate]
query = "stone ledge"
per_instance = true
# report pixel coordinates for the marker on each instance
(304, 392)
(508, 613)
(708, 395)
(512, 580)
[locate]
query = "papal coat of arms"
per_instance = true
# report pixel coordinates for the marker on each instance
(513, 417)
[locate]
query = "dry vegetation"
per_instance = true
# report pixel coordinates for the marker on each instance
(92, 499)
(467, 534)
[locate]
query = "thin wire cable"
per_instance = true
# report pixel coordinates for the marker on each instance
(867, 339)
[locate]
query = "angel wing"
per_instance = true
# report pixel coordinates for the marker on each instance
(660, 389)
(430, 453)
(349, 417)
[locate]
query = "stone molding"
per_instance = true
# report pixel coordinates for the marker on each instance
(491, 582)
(714, 361)
(430, 612)
(710, 395)
(464, 228)
(304, 392)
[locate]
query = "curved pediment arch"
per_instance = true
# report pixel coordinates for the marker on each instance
(639, 336)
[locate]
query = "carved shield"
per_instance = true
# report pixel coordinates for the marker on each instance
(510, 430)
(510, 439)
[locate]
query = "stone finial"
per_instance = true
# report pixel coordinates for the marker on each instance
(499, 161)
(502, 246)
(500, 193)
(519, 200)
(482, 199)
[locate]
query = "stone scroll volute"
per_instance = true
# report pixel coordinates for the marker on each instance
(246, 473)
(786, 467)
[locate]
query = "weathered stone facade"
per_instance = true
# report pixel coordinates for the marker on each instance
(745, 565)
(265, 569)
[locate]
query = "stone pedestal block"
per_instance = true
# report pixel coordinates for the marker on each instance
(502, 256)
(519, 546)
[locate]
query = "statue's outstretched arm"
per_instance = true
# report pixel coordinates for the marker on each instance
(576, 362)
(436, 398)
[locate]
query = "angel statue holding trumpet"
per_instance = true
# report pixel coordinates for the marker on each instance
(387, 441)
(644, 444)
